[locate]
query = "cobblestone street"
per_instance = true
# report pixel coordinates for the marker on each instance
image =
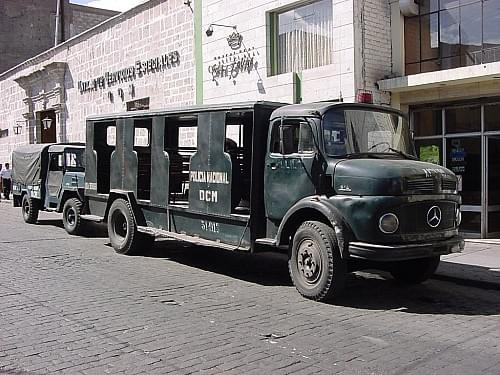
(72, 305)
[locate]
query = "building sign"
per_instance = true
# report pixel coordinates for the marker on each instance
(140, 69)
(231, 64)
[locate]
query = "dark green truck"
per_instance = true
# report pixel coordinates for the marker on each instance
(336, 185)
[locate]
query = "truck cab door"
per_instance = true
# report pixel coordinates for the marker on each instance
(290, 166)
(54, 179)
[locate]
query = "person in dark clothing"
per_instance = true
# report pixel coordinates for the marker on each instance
(6, 175)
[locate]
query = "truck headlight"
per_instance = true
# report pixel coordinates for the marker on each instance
(458, 216)
(388, 223)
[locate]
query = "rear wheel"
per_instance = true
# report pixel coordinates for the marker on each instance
(316, 267)
(30, 208)
(122, 230)
(71, 216)
(415, 271)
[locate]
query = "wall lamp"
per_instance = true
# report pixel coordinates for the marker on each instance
(210, 29)
(18, 127)
(47, 123)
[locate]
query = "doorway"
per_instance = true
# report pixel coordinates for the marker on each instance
(492, 204)
(46, 121)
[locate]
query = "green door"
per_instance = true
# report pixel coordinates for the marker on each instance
(289, 169)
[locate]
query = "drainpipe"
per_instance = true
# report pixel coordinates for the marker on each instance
(57, 33)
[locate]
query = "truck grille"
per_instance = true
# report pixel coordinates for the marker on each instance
(413, 217)
(423, 185)
(449, 185)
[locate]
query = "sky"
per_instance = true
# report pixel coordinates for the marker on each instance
(119, 5)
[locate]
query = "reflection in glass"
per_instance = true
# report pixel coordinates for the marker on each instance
(449, 35)
(429, 37)
(470, 33)
(412, 40)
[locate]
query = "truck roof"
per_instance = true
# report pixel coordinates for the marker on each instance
(318, 109)
(187, 109)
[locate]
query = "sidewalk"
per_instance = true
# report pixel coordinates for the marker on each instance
(478, 265)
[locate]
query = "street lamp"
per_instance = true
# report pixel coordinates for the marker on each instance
(47, 123)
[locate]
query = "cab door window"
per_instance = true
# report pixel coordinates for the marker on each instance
(292, 137)
(56, 162)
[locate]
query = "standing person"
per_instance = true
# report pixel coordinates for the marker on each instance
(6, 175)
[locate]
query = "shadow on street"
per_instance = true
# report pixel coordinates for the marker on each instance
(368, 290)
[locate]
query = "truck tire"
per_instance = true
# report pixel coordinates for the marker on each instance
(30, 208)
(71, 216)
(414, 271)
(122, 230)
(315, 265)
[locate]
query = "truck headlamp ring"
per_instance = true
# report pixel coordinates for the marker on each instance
(388, 223)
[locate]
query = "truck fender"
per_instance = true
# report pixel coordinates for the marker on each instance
(130, 197)
(314, 208)
(67, 194)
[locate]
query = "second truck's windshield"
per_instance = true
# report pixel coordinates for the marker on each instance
(358, 131)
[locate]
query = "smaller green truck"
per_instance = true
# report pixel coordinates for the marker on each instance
(50, 177)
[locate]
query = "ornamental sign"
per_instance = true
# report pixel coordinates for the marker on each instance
(230, 65)
(140, 69)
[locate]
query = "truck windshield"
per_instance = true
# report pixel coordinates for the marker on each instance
(365, 132)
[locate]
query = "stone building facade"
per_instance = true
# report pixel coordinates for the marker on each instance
(145, 53)
(27, 28)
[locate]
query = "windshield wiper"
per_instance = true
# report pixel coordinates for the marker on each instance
(402, 153)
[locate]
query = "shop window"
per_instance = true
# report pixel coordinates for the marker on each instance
(463, 120)
(302, 37)
(427, 123)
(430, 150)
(492, 117)
(463, 157)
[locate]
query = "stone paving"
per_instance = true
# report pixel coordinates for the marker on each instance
(71, 305)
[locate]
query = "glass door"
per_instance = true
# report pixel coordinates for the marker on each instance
(492, 211)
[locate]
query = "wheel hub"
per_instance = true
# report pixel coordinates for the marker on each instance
(309, 261)
(71, 216)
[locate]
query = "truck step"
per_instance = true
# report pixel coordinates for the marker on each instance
(190, 239)
(92, 218)
(266, 241)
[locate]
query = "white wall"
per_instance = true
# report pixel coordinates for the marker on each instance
(326, 82)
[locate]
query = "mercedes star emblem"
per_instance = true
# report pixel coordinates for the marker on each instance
(434, 216)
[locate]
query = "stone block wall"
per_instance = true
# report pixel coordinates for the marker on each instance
(143, 33)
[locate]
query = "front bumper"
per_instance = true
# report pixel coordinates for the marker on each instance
(387, 253)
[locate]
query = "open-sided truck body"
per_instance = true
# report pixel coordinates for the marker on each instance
(335, 184)
(50, 177)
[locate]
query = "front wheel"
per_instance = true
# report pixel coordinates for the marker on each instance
(30, 208)
(122, 230)
(415, 271)
(316, 267)
(71, 216)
